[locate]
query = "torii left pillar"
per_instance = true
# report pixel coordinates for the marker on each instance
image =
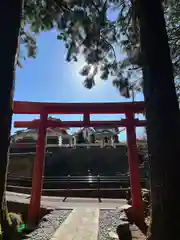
(37, 179)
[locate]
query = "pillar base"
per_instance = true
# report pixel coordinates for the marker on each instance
(136, 216)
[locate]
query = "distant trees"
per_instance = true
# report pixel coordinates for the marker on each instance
(80, 138)
(92, 138)
(116, 138)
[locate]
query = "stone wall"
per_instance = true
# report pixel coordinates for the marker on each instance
(64, 161)
(21, 166)
(78, 161)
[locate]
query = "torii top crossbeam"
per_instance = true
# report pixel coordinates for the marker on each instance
(77, 108)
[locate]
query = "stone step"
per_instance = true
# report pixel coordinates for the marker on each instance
(81, 224)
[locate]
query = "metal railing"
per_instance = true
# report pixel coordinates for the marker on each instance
(27, 154)
(69, 179)
(67, 186)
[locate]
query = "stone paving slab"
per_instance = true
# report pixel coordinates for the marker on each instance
(81, 224)
(136, 233)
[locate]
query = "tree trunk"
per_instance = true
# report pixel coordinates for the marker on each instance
(10, 19)
(163, 118)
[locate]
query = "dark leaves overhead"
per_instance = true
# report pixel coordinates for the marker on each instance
(123, 86)
(86, 28)
(104, 72)
(85, 71)
(89, 82)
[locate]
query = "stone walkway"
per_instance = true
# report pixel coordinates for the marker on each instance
(82, 223)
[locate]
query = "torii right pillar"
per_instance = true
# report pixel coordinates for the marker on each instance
(134, 163)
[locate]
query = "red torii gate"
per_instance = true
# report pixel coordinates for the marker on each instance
(129, 109)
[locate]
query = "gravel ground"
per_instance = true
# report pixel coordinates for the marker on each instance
(48, 225)
(108, 222)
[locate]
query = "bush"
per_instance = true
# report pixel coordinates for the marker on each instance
(15, 222)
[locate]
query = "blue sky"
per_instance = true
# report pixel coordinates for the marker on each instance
(49, 78)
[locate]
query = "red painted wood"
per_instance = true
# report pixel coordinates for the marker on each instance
(134, 163)
(77, 108)
(86, 118)
(80, 108)
(66, 124)
(37, 179)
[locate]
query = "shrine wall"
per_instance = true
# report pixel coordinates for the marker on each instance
(78, 161)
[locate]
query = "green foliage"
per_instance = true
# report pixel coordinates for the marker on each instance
(80, 138)
(14, 221)
(93, 139)
(116, 138)
(86, 29)
(28, 41)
